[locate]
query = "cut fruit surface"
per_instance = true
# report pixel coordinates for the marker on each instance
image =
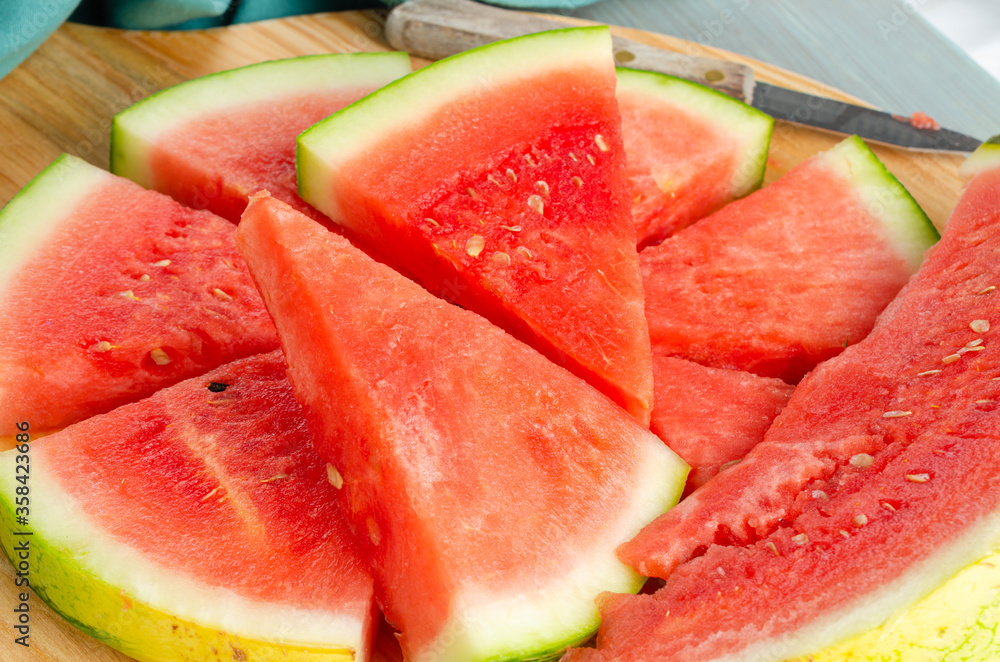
(690, 150)
(712, 417)
(109, 292)
(197, 520)
(882, 474)
(212, 141)
(787, 277)
(490, 486)
(514, 204)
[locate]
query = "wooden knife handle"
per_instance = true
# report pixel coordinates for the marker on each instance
(434, 29)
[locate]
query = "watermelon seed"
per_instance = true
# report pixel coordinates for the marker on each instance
(927, 373)
(512, 228)
(601, 143)
(577, 182)
(475, 245)
(974, 343)
(144, 278)
(334, 476)
(731, 463)
(432, 222)
(951, 358)
(531, 161)
(524, 251)
(987, 289)
(896, 414)
(607, 282)
(573, 158)
(819, 494)
(983, 402)
(373, 532)
(862, 460)
(102, 346)
(472, 193)
(800, 539)
(543, 187)
(591, 159)
(162, 263)
(493, 180)
(888, 506)
(844, 533)
(501, 258)
(210, 494)
(129, 295)
(536, 203)
(976, 348)
(980, 326)
(217, 387)
(917, 478)
(511, 175)
(771, 546)
(860, 520)
(159, 357)
(273, 478)
(221, 295)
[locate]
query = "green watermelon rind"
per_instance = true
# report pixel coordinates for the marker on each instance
(733, 118)
(135, 130)
(38, 210)
(349, 132)
(908, 229)
(985, 157)
(69, 569)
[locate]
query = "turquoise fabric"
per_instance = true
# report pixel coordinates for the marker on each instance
(25, 24)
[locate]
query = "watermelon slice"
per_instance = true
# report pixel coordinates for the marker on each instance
(490, 486)
(712, 417)
(877, 483)
(690, 150)
(197, 521)
(514, 202)
(786, 278)
(109, 292)
(212, 141)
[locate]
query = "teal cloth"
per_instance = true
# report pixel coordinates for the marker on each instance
(25, 24)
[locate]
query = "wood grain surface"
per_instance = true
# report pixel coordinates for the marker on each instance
(63, 97)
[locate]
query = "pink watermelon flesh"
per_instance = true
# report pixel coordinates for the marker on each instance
(516, 206)
(709, 416)
(885, 456)
(127, 279)
(216, 162)
(220, 486)
(778, 281)
(474, 466)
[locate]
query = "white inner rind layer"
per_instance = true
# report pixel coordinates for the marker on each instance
(138, 128)
(735, 119)
(986, 157)
(37, 212)
(492, 625)
(907, 229)
(883, 604)
(58, 519)
(352, 132)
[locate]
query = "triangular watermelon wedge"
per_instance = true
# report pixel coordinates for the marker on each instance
(490, 485)
(496, 179)
(109, 292)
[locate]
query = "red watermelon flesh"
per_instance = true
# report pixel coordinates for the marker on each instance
(214, 483)
(787, 277)
(513, 201)
(109, 292)
(487, 482)
(212, 141)
(690, 150)
(878, 481)
(709, 416)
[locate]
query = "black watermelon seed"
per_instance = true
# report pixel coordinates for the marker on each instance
(217, 387)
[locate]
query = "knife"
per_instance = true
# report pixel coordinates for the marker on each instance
(434, 29)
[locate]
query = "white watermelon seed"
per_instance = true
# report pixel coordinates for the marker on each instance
(472, 193)
(274, 478)
(127, 294)
(210, 494)
(771, 546)
(573, 158)
(501, 258)
(982, 402)
(974, 348)
(800, 539)
(951, 358)
(601, 143)
(531, 161)
(159, 357)
(819, 494)
(577, 182)
(860, 519)
(511, 228)
(102, 346)
(987, 289)
(928, 373)
(511, 175)
(432, 222)
(373, 531)
(844, 533)
(493, 180)
(536, 203)
(475, 245)
(144, 278)
(896, 414)
(543, 187)
(591, 159)
(980, 326)
(221, 295)
(917, 478)
(334, 476)
(862, 460)
(162, 263)
(525, 252)
(975, 343)
(888, 506)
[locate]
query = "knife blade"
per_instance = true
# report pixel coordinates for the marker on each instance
(434, 29)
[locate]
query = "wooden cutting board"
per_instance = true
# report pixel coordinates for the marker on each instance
(63, 97)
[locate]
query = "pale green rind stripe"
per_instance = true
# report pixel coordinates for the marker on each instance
(139, 127)
(733, 118)
(986, 157)
(908, 229)
(352, 131)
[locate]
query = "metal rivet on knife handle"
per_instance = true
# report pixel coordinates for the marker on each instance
(434, 29)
